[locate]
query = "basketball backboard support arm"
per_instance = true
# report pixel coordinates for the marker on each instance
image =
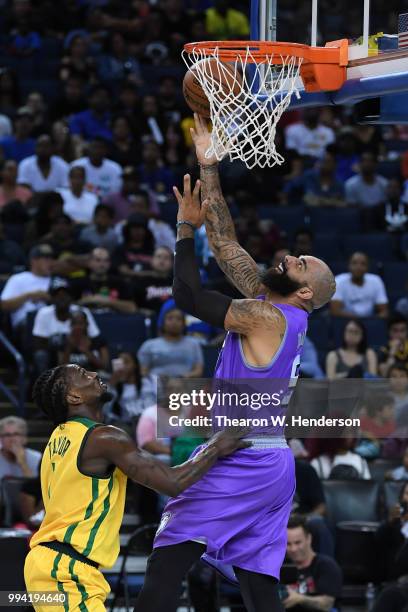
(367, 76)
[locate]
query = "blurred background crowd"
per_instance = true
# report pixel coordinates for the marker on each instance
(94, 132)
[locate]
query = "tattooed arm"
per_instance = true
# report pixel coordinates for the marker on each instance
(233, 260)
(109, 446)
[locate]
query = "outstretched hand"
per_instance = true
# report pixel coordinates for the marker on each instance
(190, 208)
(202, 141)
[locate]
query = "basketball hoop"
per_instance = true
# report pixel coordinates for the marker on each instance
(249, 85)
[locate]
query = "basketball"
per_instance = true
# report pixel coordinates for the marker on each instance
(221, 74)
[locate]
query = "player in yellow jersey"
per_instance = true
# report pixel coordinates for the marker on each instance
(83, 480)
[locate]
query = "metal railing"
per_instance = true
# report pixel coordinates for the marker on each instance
(18, 401)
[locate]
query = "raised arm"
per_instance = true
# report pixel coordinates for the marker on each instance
(233, 260)
(246, 317)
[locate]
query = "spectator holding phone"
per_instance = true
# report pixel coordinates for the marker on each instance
(79, 348)
(134, 392)
(319, 580)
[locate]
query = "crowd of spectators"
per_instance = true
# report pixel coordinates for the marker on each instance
(94, 133)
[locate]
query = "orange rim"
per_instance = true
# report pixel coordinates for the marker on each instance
(322, 68)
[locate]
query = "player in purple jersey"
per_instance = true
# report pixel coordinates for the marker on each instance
(235, 517)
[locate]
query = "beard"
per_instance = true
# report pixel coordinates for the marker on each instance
(279, 282)
(105, 397)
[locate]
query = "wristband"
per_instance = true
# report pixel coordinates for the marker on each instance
(193, 227)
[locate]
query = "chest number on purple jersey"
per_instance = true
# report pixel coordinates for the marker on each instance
(294, 375)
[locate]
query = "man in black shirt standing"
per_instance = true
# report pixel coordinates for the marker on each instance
(319, 578)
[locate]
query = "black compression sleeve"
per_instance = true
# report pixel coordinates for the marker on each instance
(189, 295)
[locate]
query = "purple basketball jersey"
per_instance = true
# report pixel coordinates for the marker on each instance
(285, 364)
(241, 506)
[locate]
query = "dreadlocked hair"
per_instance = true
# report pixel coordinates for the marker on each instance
(50, 393)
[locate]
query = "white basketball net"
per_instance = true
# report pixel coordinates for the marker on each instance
(245, 116)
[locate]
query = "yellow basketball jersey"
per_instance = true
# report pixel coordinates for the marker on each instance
(83, 511)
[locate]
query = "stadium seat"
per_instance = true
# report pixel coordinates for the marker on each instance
(326, 246)
(318, 331)
(376, 331)
(337, 266)
(376, 245)
(168, 212)
(122, 332)
(351, 500)
(341, 220)
(379, 467)
(356, 550)
(10, 490)
(404, 244)
(287, 218)
(13, 550)
(392, 491)
(210, 360)
(395, 276)
(140, 545)
(389, 168)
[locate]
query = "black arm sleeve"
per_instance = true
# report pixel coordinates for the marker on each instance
(189, 295)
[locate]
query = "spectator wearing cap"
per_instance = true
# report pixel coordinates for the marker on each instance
(94, 122)
(359, 293)
(15, 459)
(43, 171)
(28, 291)
(320, 185)
(396, 349)
(103, 176)
(100, 289)
(122, 202)
(52, 324)
(20, 144)
(367, 188)
(136, 252)
(79, 203)
(9, 190)
(101, 233)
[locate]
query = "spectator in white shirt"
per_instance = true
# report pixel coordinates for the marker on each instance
(79, 203)
(366, 188)
(338, 460)
(28, 291)
(43, 171)
(53, 323)
(309, 137)
(358, 293)
(103, 176)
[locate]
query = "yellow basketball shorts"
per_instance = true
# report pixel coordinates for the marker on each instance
(51, 571)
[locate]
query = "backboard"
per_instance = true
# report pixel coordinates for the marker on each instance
(376, 68)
